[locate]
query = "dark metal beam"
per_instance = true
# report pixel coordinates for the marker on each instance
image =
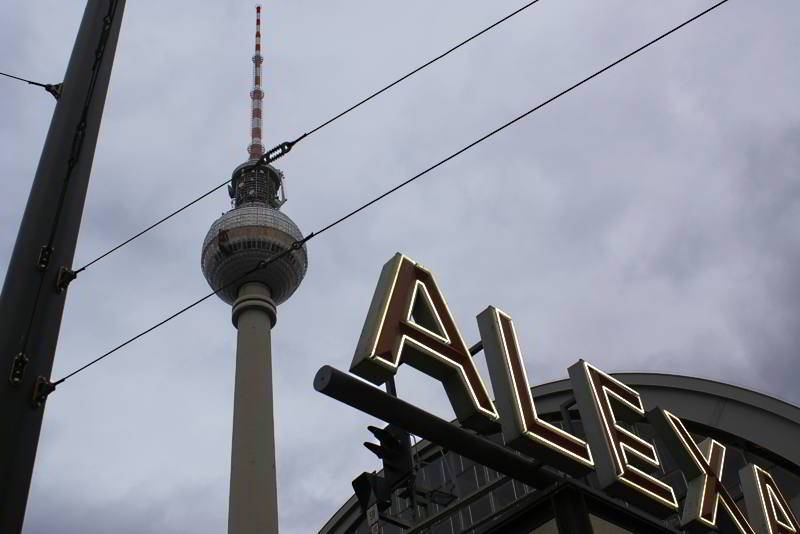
(362, 396)
(476, 348)
(31, 306)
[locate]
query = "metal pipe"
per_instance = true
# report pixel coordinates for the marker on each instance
(362, 396)
(476, 348)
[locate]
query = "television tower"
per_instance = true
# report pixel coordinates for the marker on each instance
(254, 231)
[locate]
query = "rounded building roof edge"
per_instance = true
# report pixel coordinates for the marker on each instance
(736, 392)
(761, 419)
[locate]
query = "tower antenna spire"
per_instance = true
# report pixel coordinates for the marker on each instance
(256, 147)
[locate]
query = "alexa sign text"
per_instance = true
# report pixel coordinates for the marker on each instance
(409, 323)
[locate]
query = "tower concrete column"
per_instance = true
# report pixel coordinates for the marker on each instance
(254, 256)
(253, 504)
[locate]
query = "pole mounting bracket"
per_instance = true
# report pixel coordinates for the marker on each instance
(18, 369)
(41, 389)
(65, 276)
(45, 253)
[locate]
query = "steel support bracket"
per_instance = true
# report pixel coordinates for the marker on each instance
(45, 253)
(18, 369)
(566, 418)
(65, 276)
(373, 515)
(41, 389)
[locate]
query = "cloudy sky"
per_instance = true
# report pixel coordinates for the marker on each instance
(646, 222)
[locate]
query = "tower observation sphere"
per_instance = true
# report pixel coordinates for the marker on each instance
(254, 230)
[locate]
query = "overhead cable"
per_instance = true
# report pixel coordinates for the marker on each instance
(364, 206)
(52, 88)
(282, 149)
(260, 265)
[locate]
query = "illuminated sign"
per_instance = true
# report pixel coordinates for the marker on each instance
(409, 323)
(702, 464)
(618, 449)
(768, 509)
(522, 428)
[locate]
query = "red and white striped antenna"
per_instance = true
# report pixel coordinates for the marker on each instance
(256, 147)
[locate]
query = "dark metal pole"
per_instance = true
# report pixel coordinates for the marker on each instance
(411, 483)
(569, 508)
(362, 396)
(30, 305)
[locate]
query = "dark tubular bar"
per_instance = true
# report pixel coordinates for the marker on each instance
(362, 396)
(34, 292)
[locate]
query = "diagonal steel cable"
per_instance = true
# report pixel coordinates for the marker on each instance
(283, 148)
(52, 88)
(369, 203)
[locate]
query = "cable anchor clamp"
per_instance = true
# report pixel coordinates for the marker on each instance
(278, 151)
(65, 276)
(18, 366)
(41, 389)
(54, 89)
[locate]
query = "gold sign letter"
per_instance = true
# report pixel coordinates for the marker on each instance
(767, 507)
(409, 322)
(702, 465)
(522, 428)
(615, 447)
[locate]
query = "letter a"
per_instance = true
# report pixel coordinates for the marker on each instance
(767, 507)
(409, 322)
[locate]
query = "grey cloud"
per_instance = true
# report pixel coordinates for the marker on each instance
(645, 222)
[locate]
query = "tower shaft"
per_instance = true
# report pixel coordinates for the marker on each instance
(256, 148)
(253, 504)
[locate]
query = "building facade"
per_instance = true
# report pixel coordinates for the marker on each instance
(460, 495)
